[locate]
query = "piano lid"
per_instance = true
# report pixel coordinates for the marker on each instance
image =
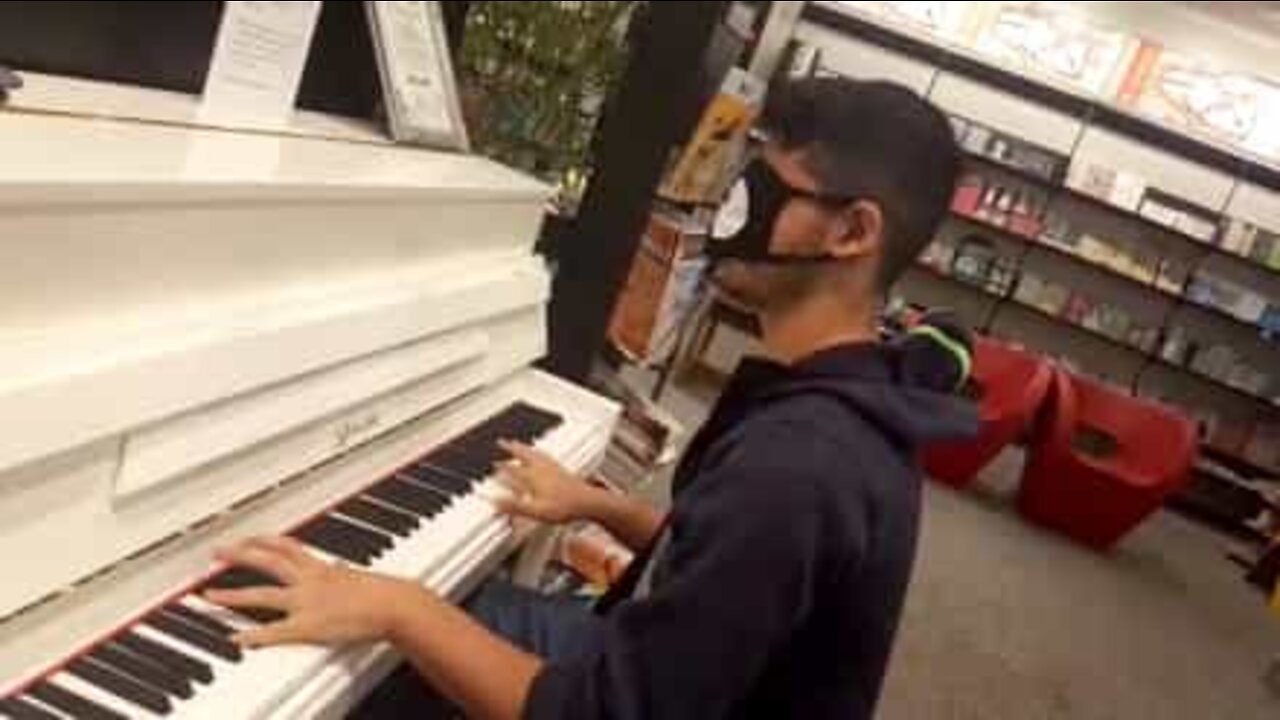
(49, 158)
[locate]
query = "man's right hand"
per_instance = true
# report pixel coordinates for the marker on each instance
(543, 489)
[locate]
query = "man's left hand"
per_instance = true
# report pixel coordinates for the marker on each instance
(324, 604)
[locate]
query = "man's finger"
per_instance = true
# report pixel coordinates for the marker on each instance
(514, 505)
(516, 473)
(525, 507)
(270, 598)
(285, 632)
(520, 451)
(261, 559)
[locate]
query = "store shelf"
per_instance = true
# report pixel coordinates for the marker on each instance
(1152, 356)
(1061, 189)
(1061, 252)
(1067, 322)
(1032, 309)
(1221, 314)
(1023, 174)
(956, 280)
(1087, 263)
(1221, 385)
(1240, 465)
(1133, 217)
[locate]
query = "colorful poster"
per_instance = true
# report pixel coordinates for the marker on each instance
(1039, 39)
(1229, 107)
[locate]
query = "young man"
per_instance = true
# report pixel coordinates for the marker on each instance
(774, 586)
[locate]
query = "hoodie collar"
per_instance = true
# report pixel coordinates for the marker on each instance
(861, 361)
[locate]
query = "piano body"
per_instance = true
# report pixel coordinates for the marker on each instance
(208, 335)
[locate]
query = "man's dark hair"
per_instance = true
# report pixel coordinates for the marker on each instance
(873, 141)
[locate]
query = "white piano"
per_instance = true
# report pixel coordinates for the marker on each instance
(207, 335)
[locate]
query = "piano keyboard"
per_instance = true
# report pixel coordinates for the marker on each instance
(178, 660)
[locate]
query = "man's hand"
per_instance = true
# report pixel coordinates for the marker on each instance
(325, 604)
(544, 490)
(328, 604)
(547, 492)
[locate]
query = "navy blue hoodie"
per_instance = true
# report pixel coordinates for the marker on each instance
(776, 588)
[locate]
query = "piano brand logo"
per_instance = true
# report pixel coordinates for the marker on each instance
(350, 432)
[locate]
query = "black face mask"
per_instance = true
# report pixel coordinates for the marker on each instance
(744, 224)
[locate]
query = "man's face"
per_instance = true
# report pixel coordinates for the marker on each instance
(803, 228)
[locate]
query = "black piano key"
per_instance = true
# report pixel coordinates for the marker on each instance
(439, 479)
(468, 462)
(200, 620)
(368, 541)
(239, 578)
(121, 686)
(182, 663)
(407, 497)
(380, 516)
(375, 538)
(347, 535)
(539, 418)
(215, 645)
(213, 625)
(550, 416)
(324, 538)
(63, 700)
(139, 668)
(19, 709)
(262, 616)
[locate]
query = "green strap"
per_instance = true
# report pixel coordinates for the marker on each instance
(957, 349)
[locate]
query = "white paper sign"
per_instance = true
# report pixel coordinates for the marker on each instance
(413, 57)
(258, 60)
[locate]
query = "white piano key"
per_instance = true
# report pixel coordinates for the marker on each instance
(448, 576)
(111, 702)
(261, 681)
(435, 541)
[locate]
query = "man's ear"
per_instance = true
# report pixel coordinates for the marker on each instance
(858, 231)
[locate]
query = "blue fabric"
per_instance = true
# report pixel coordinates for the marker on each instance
(556, 628)
(552, 627)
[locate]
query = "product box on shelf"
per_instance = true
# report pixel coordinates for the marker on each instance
(1230, 297)
(968, 195)
(1180, 215)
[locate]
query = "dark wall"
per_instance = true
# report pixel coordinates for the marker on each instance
(157, 44)
(168, 45)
